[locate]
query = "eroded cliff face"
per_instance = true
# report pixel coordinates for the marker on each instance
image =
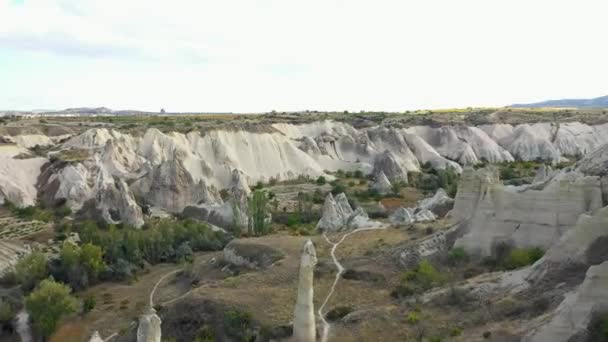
(118, 174)
(529, 216)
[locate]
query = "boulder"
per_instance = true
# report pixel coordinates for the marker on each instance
(251, 255)
(595, 163)
(402, 217)
(440, 204)
(304, 315)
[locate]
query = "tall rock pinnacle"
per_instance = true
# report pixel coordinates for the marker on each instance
(304, 317)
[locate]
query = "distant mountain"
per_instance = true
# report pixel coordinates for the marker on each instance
(598, 102)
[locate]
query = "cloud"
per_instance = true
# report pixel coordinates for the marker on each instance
(243, 55)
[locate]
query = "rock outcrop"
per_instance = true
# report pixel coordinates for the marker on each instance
(406, 216)
(251, 255)
(95, 337)
(335, 213)
(572, 320)
(149, 327)
(388, 164)
(522, 217)
(381, 184)
(304, 316)
(543, 173)
(440, 204)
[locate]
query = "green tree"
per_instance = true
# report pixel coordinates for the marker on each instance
(257, 213)
(320, 180)
(31, 269)
(48, 303)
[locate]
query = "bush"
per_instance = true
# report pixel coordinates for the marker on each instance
(424, 277)
(238, 323)
(88, 304)
(413, 317)
(320, 180)
(358, 174)
(457, 256)
(520, 257)
(31, 269)
(337, 189)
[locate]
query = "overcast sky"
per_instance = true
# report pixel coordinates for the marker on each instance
(260, 55)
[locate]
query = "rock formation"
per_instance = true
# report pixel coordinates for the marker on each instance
(304, 317)
(381, 184)
(543, 173)
(440, 204)
(335, 213)
(230, 214)
(173, 171)
(95, 337)
(522, 217)
(251, 255)
(149, 327)
(574, 316)
(387, 164)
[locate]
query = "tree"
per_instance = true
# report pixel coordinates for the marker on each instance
(48, 303)
(31, 269)
(257, 213)
(81, 266)
(320, 180)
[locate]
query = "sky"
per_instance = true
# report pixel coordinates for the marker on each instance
(286, 55)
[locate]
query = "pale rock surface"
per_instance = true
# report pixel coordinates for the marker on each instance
(381, 184)
(440, 204)
(228, 214)
(18, 179)
(425, 153)
(149, 327)
(335, 213)
(388, 164)
(522, 217)
(572, 318)
(95, 337)
(250, 255)
(543, 173)
(402, 217)
(393, 140)
(531, 142)
(29, 141)
(430, 247)
(304, 329)
(595, 163)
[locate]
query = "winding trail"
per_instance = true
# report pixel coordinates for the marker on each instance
(326, 325)
(158, 283)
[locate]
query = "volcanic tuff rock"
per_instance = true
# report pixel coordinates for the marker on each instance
(335, 213)
(387, 163)
(171, 171)
(304, 316)
(406, 216)
(95, 337)
(522, 217)
(250, 255)
(149, 327)
(543, 173)
(574, 316)
(381, 184)
(439, 204)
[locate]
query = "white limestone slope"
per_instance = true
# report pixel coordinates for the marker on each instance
(304, 327)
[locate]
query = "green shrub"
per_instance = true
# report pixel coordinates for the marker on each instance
(48, 303)
(88, 304)
(413, 317)
(520, 257)
(320, 181)
(338, 188)
(424, 277)
(31, 269)
(457, 256)
(456, 331)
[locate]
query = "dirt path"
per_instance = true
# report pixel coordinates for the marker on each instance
(158, 283)
(340, 268)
